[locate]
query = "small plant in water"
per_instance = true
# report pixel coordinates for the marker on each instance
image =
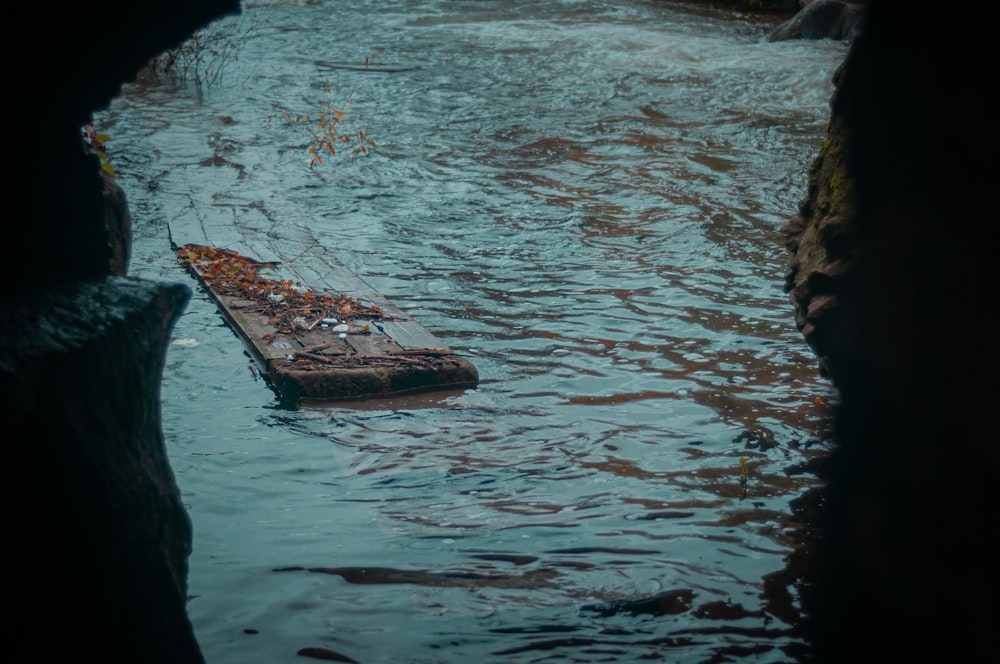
(327, 131)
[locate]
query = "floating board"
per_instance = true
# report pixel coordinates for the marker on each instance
(321, 344)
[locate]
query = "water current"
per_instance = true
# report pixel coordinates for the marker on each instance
(582, 196)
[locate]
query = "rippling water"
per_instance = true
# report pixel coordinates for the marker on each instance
(583, 196)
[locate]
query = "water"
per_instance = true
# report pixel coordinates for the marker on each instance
(583, 196)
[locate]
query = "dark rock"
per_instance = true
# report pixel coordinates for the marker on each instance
(97, 534)
(71, 62)
(902, 560)
(822, 19)
(823, 240)
(118, 226)
(97, 537)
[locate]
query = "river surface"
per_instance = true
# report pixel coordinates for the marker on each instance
(582, 196)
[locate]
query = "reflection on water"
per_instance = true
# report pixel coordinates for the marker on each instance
(584, 198)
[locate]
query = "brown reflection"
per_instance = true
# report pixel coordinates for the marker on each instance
(614, 399)
(606, 549)
(602, 226)
(557, 192)
(545, 151)
(526, 509)
(725, 611)
(609, 646)
(619, 467)
(325, 654)
(517, 560)
(673, 505)
(431, 400)
(541, 578)
(667, 603)
(657, 516)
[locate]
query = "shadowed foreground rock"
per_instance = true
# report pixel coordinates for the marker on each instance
(95, 534)
(891, 276)
(98, 536)
(68, 61)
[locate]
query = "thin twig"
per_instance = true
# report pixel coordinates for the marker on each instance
(314, 357)
(300, 253)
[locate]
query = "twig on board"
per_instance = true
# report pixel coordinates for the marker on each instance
(315, 358)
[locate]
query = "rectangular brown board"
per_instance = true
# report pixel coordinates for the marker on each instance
(395, 356)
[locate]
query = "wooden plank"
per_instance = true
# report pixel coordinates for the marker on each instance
(407, 333)
(316, 345)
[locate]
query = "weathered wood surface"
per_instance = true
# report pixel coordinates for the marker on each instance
(384, 353)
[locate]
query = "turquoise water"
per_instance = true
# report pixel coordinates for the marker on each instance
(583, 197)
